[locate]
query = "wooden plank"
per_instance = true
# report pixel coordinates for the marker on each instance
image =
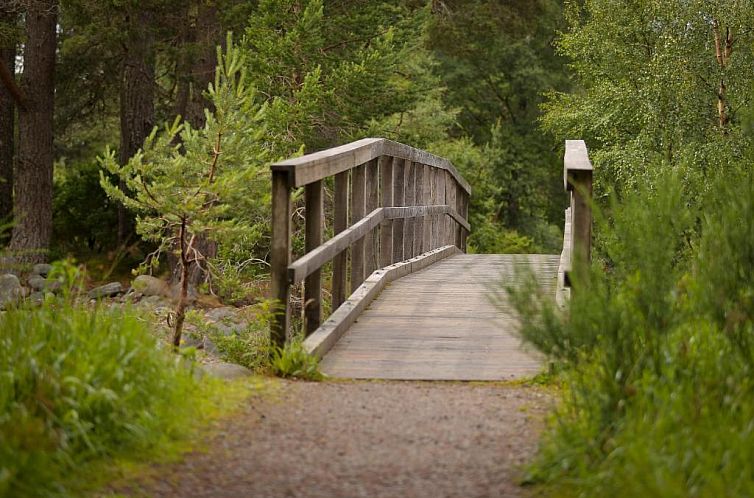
(312, 239)
(324, 338)
(419, 201)
(313, 260)
(441, 223)
(386, 200)
(319, 165)
(427, 200)
(371, 253)
(433, 200)
(280, 256)
(358, 199)
(576, 159)
(450, 199)
(399, 199)
(410, 224)
(437, 324)
(340, 223)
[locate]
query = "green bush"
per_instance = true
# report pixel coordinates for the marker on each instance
(295, 362)
(657, 348)
(79, 385)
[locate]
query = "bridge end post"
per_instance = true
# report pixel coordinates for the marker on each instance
(280, 256)
(578, 175)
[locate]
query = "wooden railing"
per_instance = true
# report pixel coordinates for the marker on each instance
(577, 235)
(403, 202)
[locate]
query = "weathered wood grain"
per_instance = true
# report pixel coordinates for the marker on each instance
(439, 324)
(313, 238)
(358, 203)
(340, 223)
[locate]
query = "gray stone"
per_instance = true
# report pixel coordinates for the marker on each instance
(148, 285)
(209, 346)
(107, 290)
(37, 298)
(41, 269)
(222, 313)
(39, 283)
(228, 371)
(10, 289)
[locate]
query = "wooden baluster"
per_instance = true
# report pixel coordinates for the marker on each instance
(386, 200)
(465, 214)
(313, 239)
(358, 194)
(409, 225)
(435, 219)
(442, 220)
(280, 256)
(399, 199)
(372, 199)
(420, 201)
(340, 223)
(426, 200)
(450, 200)
(459, 210)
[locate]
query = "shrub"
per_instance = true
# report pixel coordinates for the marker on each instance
(657, 348)
(294, 361)
(78, 385)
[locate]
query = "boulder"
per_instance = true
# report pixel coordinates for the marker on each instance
(228, 371)
(209, 346)
(148, 285)
(40, 283)
(107, 290)
(41, 269)
(10, 289)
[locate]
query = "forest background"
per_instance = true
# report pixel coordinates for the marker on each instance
(463, 79)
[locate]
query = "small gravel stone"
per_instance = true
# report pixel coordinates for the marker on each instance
(41, 269)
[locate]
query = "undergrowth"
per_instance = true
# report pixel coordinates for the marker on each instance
(83, 386)
(656, 351)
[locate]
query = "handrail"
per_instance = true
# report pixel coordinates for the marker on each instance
(306, 169)
(577, 234)
(403, 202)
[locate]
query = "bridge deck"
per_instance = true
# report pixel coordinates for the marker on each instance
(439, 324)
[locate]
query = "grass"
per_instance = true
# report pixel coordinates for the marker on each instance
(656, 353)
(84, 389)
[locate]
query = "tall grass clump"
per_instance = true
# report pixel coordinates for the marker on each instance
(657, 350)
(78, 386)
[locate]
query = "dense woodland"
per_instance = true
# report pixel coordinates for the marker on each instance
(112, 113)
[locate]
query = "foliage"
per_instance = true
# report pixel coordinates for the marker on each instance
(658, 81)
(79, 385)
(658, 352)
(294, 361)
(200, 183)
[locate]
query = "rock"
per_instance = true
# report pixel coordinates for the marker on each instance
(37, 298)
(209, 346)
(39, 283)
(222, 313)
(227, 371)
(107, 290)
(41, 269)
(10, 289)
(148, 285)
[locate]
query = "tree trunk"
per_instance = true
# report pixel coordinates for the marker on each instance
(196, 71)
(7, 128)
(33, 202)
(136, 99)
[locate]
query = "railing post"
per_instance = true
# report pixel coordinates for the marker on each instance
(419, 201)
(465, 214)
(450, 200)
(372, 199)
(358, 180)
(441, 221)
(399, 189)
(426, 197)
(280, 256)
(409, 225)
(578, 180)
(340, 223)
(313, 239)
(386, 200)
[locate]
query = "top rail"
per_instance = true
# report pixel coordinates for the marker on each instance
(318, 165)
(577, 241)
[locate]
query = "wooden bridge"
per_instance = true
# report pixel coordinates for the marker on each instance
(405, 300)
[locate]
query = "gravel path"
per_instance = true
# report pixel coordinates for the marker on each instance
(366, 439)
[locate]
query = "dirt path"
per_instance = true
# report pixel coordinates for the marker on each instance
(367, 439)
